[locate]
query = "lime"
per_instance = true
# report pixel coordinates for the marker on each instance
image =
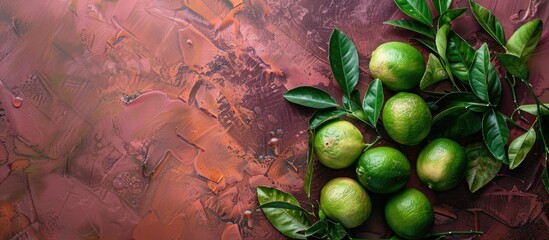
(398, 65)
(345, 201)
(383, 170)
(406, 118)
(409, 214)
(441, 164)
(338, 144)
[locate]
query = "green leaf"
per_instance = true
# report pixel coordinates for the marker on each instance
(373, 101)
(519, 148)
(288, 222)
(310, 164)
(434, 72)
(344, 61)
(489, 22)
(533, 109)
(483, 78)
(282, 205)
(482, 167)
(320, 117)
(441, 42)
(460, 99)
(413, 25)
(450, 16)
(310, 97)
(460, 56)
(356, 110)
(496, 134)
(545, 179)
(427, 43)
(336, 231)
(442, 6)
(513, 65)
(319, 227)
(417, 9)
(457, 123)
(525, 39)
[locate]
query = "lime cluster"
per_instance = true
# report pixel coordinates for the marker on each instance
(386, 170)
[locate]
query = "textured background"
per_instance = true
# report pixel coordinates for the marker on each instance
(157, 119)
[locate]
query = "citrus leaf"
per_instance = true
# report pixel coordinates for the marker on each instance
(427, 43)
(496, 134)
(434, 72)
(336, 231)
(483, 78)
(344, 61)
(450, 15)
(519, 148)
(413, 25)
(373, 101)
(323, 116)
(533, 109)
(288, 222)
(525, 39)
(482, 167)
(355, 110)
(489, 22)
(441, 42)
(514, 65)
(417, 9)
(460, 56)
(310, 164)
(457, 124)
(319, 227)
(310, 97)
(460, 99)
(282, 205)
(442, 5)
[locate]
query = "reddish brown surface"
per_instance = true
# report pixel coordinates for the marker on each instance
(157, 119)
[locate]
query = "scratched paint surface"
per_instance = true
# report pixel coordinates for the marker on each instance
(136, 119)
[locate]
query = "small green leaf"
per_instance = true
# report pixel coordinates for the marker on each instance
(355, 110)
(310, 164)
(519, 148)
(288, 222)
(442, 6)
(545, 179)
(450, 16)
(482, 167)
(413, 25)
(513, 65)
(344, 61)
(336, 231)
(310, 97)
(373, 101)
(318, 229)
(489, 22)
(320, 117)
(525, 39)
(434, 72)
(441, 42)
(533, 109)
(496, 134)
(417, 9)
(483, 77)
(460, 56)
(427, 43)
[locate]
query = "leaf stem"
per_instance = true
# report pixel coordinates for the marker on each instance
(539, 118)
(456, 233)
(512, 83)
(368, 146)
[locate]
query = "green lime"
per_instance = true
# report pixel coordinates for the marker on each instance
(409, 214)
(406, 118)
(441, 164)
(345, 201)
(338, 144)
(398, 65)
(383, 170)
